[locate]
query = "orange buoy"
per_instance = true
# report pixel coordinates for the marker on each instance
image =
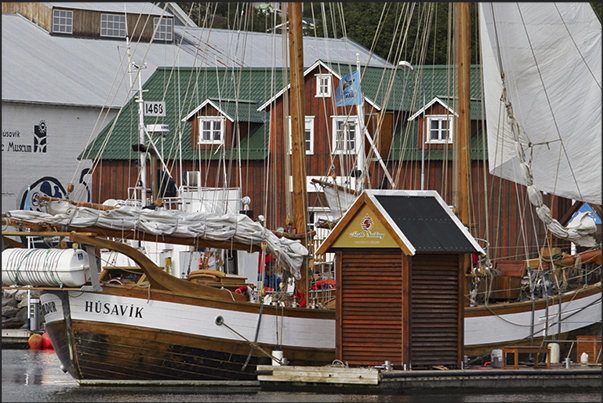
(47, 343)
(36, 341)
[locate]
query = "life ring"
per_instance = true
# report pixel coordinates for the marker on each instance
(246, 290)
(241, 290)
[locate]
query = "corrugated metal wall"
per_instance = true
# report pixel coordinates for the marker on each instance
(436, 331)
(370, 312)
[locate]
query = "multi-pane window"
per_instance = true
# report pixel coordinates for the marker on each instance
(345, 129)
(309, 134)
(211, 130)
(62, 21)
(164, 30)
(323, 85)
(439, 129)
(113, 25)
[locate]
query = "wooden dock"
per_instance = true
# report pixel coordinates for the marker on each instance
(15, 338)
(359, 376)
(372, 380)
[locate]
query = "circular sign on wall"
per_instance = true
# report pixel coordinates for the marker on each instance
(46, 186)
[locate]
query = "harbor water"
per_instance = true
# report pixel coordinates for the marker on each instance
(35, 376)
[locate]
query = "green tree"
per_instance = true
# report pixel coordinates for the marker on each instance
(374, 26)
(231, 15)
(370, 24)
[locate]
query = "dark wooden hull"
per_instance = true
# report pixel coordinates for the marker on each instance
(101, 350)
(122, 353)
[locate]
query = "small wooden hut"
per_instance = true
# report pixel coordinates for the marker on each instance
(400, 279)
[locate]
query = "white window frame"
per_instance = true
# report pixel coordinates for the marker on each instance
(62, 21)
(439, 132)
(212, 131)
(351, 145)
(323, 85)
(309, 135)
(113, 26)
(165, 30)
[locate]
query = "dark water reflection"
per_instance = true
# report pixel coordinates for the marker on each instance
(35, 376)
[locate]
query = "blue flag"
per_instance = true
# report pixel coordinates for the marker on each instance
(348, 91)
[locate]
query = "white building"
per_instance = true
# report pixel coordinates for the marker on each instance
(60, 85)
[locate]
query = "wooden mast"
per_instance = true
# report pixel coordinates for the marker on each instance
(298, 149)
(463, 132)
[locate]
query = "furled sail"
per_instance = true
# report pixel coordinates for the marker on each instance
(542, 84)
(177, 223)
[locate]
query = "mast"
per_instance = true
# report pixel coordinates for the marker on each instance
(298, 149)
(463, 133)
(143, 154)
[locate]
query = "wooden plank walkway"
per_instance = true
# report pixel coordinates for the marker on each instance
(361, 376)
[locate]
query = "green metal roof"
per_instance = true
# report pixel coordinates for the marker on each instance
(397, 86)
(242, 111)
(184, 89)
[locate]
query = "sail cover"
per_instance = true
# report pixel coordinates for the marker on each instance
(550, 55)
(208, 226)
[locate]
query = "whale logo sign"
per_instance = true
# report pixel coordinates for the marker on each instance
(40, 137)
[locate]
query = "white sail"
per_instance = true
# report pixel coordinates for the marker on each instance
(550, 54)
(339, 201)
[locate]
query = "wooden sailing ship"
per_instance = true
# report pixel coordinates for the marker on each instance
(205, 330)
(136, 321)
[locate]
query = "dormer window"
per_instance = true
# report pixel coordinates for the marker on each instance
(323, 85)
(439, 129)
(113, 25)
(62, 21)
(164, 30)
(211, 130)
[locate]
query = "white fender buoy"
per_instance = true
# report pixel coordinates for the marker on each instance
(554, 352)
(277, 353)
